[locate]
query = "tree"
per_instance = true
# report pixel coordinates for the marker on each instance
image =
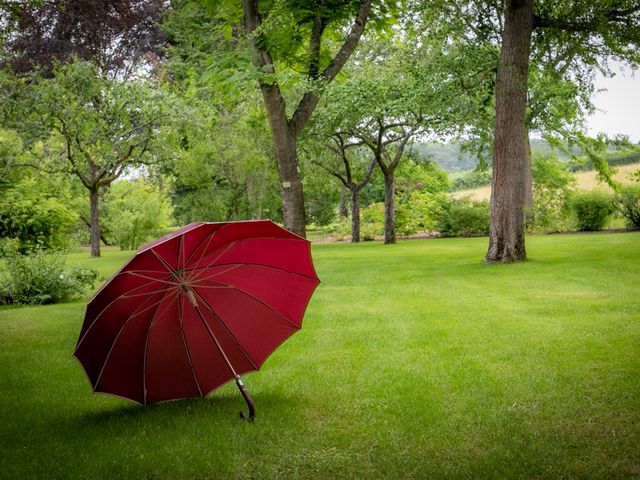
(554, 67)
(314, 20)
(88, 126)
(345, 172)
(116, 35)
(595, 31)
(396, 93)
(506, 232)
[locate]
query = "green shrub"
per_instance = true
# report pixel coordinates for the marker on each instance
(9, 247)
(471, 179)
(42, 278)
(420, 211)
(372, 221)
(592, 209)
(552, 186)
(135, 212)
(462, 217)
(38, 221)
(628, 204)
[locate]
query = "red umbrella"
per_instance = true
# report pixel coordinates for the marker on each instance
(195, 309)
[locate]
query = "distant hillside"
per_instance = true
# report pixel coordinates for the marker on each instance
(448, 155)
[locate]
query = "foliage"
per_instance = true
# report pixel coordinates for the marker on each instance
(372, 221)
(34, 217)
(321, 198)
(424, 176)
(420, 212)
(83, 124)
(42, 278)
(552, 184)
(628, 204)
(117, 35)
(592, 209)
(135, 212)
(222, 167)
(462, 217)
(471, 179)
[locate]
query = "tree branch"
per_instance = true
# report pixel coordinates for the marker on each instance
(611, 16)
(310, 99)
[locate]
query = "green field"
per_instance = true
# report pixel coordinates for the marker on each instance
(415, 361)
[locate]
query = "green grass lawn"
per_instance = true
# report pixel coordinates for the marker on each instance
(414, 361)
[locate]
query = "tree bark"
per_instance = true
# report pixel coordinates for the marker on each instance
(342, 209)
(506, 233)
(285, 132)
(355, 215)
(389, 209)
(94, 221)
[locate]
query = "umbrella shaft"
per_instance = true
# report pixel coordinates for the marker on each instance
(192, 300)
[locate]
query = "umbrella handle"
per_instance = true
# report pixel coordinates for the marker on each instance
(248, 399)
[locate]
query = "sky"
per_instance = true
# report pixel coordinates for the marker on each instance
(618, 107)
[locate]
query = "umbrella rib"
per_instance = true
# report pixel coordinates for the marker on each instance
(146, 348)
(231, 244)
(180, 249)
(151, 278)
(297, 327)
(115, 340)
(208, 238)
(164, 263)
(255, 265)
(226, 249)
(123, 295)
(225, 327)
(186, 346)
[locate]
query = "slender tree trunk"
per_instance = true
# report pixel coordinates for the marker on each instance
(389, 209)
(355, 215)
(285, 145)
(506, 234)
(94, 222)
(342, 210)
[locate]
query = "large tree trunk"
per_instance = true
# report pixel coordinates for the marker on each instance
(355, 215)
(506, 234)
(285, 145)
(389, 209)
(94, 222)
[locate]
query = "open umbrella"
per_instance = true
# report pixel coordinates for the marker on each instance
(195, 309)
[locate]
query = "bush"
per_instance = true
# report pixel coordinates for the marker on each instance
(372, 221)
(462, 217)
(628, 204)
(472, 179)
(552, 184)
(420, 212)
(37, 221)
(135, 213)
(42, 278)
(592, 209)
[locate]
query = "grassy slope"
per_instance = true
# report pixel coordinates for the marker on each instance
(415, 360)
(584, 181)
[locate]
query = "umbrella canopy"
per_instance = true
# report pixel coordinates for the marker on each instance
(195, 309)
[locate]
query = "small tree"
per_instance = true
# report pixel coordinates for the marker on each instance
(345, 170)
(94, 128)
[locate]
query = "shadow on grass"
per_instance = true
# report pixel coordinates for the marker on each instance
(218, 408)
